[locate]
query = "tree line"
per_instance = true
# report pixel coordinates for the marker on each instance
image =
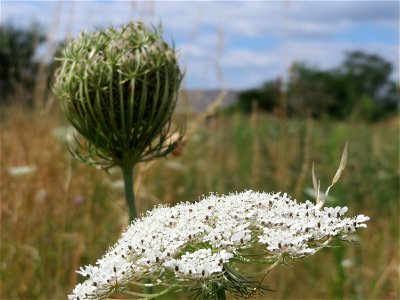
(360, 88)
(22, 71)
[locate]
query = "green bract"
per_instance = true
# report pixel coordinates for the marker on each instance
(119, 88)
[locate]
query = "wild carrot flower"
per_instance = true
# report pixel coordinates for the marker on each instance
(196, 247)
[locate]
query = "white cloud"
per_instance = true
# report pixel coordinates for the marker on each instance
(301, 31)
(246, 58)
(354, 11)
(190, 50)
(246, 68)
(248, 18)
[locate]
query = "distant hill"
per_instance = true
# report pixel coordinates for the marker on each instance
(199, 100)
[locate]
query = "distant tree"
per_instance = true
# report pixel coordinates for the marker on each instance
(266, 97)
(368, 78)
(359, 88)
(367, 73)
(17, 64)
(316, 92)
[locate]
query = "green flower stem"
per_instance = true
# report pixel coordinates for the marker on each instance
(130, 200)
(129, 194)
(221, 294)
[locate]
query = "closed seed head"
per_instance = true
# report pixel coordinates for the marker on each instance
(118, 88)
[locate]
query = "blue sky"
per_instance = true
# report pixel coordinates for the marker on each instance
(234, 44)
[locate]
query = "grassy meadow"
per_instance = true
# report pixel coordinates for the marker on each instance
(64, 214)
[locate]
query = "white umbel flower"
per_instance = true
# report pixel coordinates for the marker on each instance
(198, 241)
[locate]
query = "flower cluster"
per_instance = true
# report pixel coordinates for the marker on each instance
(199, 242)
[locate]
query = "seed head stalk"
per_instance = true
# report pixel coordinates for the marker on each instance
(221, 294)
(127, 173)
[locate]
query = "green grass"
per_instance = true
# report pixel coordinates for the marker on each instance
(46, 234)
